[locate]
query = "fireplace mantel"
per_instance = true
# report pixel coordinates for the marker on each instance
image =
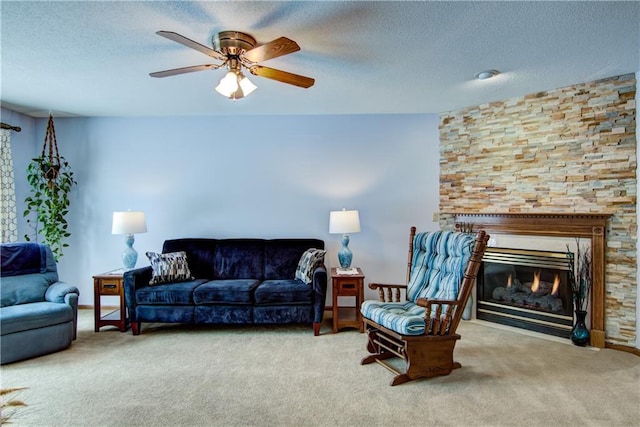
(584, 225)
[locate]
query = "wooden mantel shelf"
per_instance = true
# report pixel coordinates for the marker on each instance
(585, 225)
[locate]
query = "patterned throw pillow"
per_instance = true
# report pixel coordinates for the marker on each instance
(309, 260)
(169, 267)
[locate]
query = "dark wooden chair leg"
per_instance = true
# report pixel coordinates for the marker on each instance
(400, 379)
(372, 347)
(316, 329)
(135, 328)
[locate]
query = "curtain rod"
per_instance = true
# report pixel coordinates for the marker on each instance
(14, 128)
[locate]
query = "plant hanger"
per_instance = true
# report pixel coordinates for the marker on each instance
(51, 164)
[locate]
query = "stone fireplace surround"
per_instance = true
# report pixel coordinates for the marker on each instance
(566, 150)
(583, 225)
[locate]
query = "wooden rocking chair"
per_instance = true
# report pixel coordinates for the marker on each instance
(442, 268)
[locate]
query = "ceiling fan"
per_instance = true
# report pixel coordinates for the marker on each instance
(236, 50)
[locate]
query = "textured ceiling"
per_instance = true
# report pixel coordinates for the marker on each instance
(93, 58)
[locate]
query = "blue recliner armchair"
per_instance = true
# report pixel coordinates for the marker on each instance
(38, 313)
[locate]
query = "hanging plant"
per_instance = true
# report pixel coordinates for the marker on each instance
(51, 180)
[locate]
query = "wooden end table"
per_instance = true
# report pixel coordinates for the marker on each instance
(347, 285)
(110, 283)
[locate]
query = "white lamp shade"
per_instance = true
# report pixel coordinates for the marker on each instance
(246, 85)
(128, 222)
(228, 84)
(344, 221)
(235, 85)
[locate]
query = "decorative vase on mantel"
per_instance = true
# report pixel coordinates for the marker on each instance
(580, 333)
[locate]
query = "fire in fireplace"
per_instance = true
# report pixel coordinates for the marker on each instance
(527, 289)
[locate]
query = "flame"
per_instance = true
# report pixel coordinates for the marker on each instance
(509, 281)
(556, 285)
(536, 282)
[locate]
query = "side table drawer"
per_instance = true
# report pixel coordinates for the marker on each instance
(110, 287)
(348, 287)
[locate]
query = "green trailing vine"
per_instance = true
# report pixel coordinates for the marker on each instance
(51, 180)
(49, 200)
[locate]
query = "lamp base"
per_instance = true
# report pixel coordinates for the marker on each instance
(129, 255)
(344, 254)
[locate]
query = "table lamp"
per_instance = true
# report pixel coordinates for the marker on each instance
(129, 223)
(344, 222)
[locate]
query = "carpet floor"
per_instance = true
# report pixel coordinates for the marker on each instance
(180, 375)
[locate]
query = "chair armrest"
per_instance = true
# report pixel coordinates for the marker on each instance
(63, 293)
(426, 302)
(319, 292)
(134, 280)
(388, 288)
(439, 314)
(57, 292)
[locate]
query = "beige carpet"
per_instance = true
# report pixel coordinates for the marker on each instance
(284, 376)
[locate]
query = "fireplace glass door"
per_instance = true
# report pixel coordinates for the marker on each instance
(526, 289)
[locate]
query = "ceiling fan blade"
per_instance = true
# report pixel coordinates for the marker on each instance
(193, 45)
(282, 76)
(278, 47)
(175, 71)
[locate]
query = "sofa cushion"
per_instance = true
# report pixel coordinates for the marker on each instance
(281, 256)
(285, 291)
(24, 289)
(180, 293)
(309, 260)
(169, 268)
(232, 291)
(200, 253)
(239, 259)
(23, 317)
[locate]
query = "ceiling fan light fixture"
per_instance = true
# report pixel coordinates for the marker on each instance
(246, 85)
(234, 85)
(228, 84)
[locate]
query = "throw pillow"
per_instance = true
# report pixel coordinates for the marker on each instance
(309, 260)
(169, 267)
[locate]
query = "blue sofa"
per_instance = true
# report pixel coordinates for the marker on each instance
(231, 281)
(38, 313)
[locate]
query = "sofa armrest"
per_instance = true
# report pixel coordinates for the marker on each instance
(134, 280)
(63, 293)
(57, 292)
(319, 292)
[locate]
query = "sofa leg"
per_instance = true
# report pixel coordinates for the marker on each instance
(316, 329)
(135, 328)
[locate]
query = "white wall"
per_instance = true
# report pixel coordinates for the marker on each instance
(255, 176)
